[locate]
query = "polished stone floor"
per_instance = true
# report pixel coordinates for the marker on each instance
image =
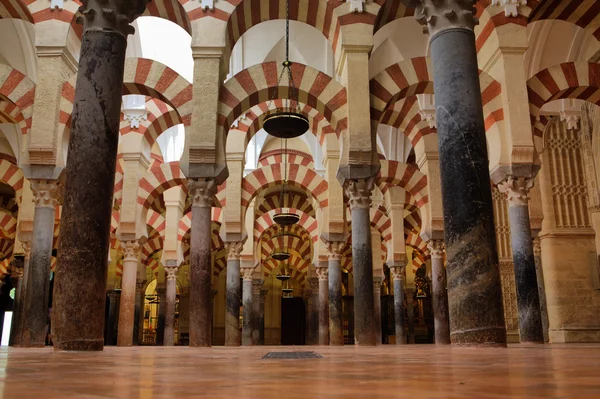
(416, 371)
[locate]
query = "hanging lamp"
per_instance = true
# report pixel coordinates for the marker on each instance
(284, 217)
(280, 255)
(286, 122)
(287, 289)
(283, 274)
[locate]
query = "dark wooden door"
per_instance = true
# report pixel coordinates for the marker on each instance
(293, 321)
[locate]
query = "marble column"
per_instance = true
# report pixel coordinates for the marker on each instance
(474, 290)
(256, 288)
(161, 293)
(247, 305)
(528, 299)
(232, 297)
(131, 255)
(35, 310)
(313, 312)
(17, 278)
(19, 323)
(200, 323)
(261, 317)
(359, 194)
(171, 269)
(397, 275)
(377, 282)
(80, 285)
(537, 253)
(323, 273)
(439, 293)
(113, 297)
(336, 321)
(140, 296)
(410, 314)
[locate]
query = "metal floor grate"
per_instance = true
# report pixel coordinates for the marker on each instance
(292, 355)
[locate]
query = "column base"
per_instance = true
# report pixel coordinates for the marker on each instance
(567, 336)
(75, 346)
(487, 337)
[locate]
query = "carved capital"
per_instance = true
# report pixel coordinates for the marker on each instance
(359, 193)
(46, 193)
(202, 192)
(111, 15)
(436, 248)
(140, 285)
(439, 15)
(314, 284)
(397, 272)
(26, 249)
(322, 273)
(537, 247)
(257, 286)
(247, 274)
(334, 249)
(511, 7)
(516, 189)
(171, 272)
(234, 250)
(131, 250)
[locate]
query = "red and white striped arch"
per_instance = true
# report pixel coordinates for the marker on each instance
(161, 116)
(12, 176)
(171, 10)
(583, 13)
(157, 181)
(8, 224)
(4, 267)
(15, 9)
(272, 176)
(258, 84)
(295, 245)
(291, 199)
(293, 157)
(576, 80)
(298, 268)
(393, 173)
(20, 91)
(308, 223)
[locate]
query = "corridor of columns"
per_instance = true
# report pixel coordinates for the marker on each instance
(443, 189)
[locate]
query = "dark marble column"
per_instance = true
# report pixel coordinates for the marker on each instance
(410, 314)
(474, 290)
(440, 294)
(247, 305)
(17, 278)
(35, 310)
(201, 193)
(261, 317)
(313, 312)
(80, 285)
(537, 253)
(131, 255)
(397, 275)
(256, 288)
(140, 296)
(528, 300)
(336, 322)
(359, 194)
(233, 298)
(113, 297)
(161, 292)
(171, 269)
(377, 282)
(323, 273)
(20, 322)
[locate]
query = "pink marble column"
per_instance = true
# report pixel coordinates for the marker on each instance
(171, 269)
(439, 292)
(131, 257)
(397, 274)
(323, 274)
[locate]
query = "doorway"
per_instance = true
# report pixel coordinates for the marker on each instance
(293, 321)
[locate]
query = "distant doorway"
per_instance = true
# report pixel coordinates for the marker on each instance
(293, 321)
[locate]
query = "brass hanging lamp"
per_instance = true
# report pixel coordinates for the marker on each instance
(283, 274)
(286, 122)
(285, 217)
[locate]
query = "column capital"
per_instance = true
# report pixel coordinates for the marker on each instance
(247, 274)
(201, 192)
(131, 249)
(111, 15)
(234, 250)
(516, 189)
(359, 192)
(140, 285)
(437, 16)
(26, 249)
(257, 285)
(334, 248)
(322, 273)
(171, 272)
(16, 270)
(397, 270)
(314, 283)
(46, 193)
(436, 248)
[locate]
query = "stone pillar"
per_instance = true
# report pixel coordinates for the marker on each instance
(247, 305)
(171, 269)
(80, 286)
(323, 273)
(439, 294)
(313, 312)
(261, 317)
(336, 321)
(161, 293)
(537, 253)
(131, 257)
(377, 282)
(140, 296)
(528, 299)
(474, 290)
(397, 274)
(19, 323)
(202, 193)
(359, 194)
(410, 314)
(35, 309)
(232, 296)
(17, 278)
(256, 288)
(113, 296)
